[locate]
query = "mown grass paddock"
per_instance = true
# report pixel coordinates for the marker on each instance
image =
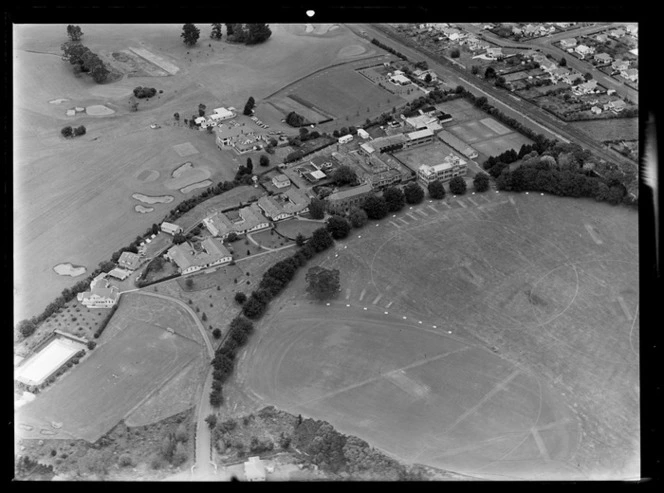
(509, 348)
(135, 357)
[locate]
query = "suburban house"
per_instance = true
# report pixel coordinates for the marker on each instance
(281, 181)
(362, 133)
(240, 221)
(603, 58)
(101, 295)
(495, 53)
(424, 122)
(254, 469)
(601, 38)
(584, 50)
(120, 274)
(129, 261)
(633, 29)
(517, 31)
(544, 63)
(284, 205)
(344, 139)
(568, 43)
(200, 120)
(452, 166)
(189, 259)
(342, 201)
(558, 74)
(457, 144)
(572, 77)
(631, 74)
(422, 74)
(585, 88)
(620, 65)
(399, 80)
(616, 106)
(596, 110)
(170, 228)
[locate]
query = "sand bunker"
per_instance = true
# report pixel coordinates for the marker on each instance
(148, 175)
(58, 101)
(146, 199)
(142, 209)
(68, 269)
(194, 186)
(319, 29)
(352, 50)
(98, 110)
(181, 169)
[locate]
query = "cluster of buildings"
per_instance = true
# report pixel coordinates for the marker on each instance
(537, 30)
(101, 294)
(451, 167)
(190, 257)
(218, 115)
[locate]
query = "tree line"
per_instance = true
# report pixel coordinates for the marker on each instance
(390, 49)
(85, 61)
(275, 280)
(237, 33)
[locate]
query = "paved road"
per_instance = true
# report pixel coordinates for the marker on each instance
(545, 45)
(511, 106)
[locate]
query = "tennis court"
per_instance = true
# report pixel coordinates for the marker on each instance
(47, 361)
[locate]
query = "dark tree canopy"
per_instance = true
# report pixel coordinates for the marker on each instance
(74, 32)
(317, 208)
(264, 160)
(413, 193)
(190, 34)
(249, 106)
(338, 227)
(358, 217)
(344, 175)
(321, 240)
(257, 33)
(481, 182)
(458, 185)
(295, 120)
(322, 283)
(394, 198)
(436, 190)
(216, 31)
(375, 207)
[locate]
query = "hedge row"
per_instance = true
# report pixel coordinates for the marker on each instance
(105, 321)
(390, 49)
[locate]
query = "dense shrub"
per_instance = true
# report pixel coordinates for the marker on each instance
(144, 92)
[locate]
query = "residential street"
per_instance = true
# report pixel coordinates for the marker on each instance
(512, 106)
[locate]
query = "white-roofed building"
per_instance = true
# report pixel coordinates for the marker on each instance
(200, 120)
(419, 137)
(240, 221)
(400, 80)
(129, 260)
(362, 133)
(170, 228)
(101, 295)
(452, 166)
(120, 274)
(281, 181)
(284, 205)
(222, 114)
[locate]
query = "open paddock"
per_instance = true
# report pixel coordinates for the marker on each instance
(137, 355)
(522, 364)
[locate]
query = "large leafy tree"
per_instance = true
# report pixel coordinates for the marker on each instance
(338, 227)
(436, 190)
(322, 283)
(458, 185)
(321, 240)
(74, 32)
(216, 31)
(317, 209)
(248, 108)
(413, 193)
(190, 34)
(358, 217)
(375, 207)
(344, 175)
(394, 198)
(481, 182)
(257, 33)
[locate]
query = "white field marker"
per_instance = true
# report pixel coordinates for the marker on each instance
(385, 313)
(404, 318)
(434, 326)
(365, 307)
(419, 322)
(348, 305)
(328, 304)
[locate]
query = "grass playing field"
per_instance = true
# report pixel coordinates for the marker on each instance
(135, 357)
(490, 334)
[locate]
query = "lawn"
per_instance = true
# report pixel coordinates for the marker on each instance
(290, 228)
(523, 362)
(136, 355)
(430, 154)
(270, 239)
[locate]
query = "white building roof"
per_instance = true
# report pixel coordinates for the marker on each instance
(401, 79)
(223, 112)
(420, 133)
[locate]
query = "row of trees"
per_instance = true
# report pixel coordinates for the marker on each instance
(390, 49)
(85, 61)
(238, 33)
(275, 279)
(69, 131)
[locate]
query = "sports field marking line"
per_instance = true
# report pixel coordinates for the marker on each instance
(403, 221)
(540, 444)
(433, 208)
(364, 291)
(461, 204)
(389, 304)
(411, 215)
(347, 293)
(415, 364)
(377, 299)
(448, 205)
(394, 224)
(422, 212)
(497, 388)
(473, 202)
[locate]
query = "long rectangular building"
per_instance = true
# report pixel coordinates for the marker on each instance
(457, 144)
(342, 201)
(284, 205)
(188, 259)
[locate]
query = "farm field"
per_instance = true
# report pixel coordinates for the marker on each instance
(135, 356)
(614, 129)
(74, 197)
(522, 364)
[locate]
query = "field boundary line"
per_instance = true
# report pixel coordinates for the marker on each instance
(317, 71)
